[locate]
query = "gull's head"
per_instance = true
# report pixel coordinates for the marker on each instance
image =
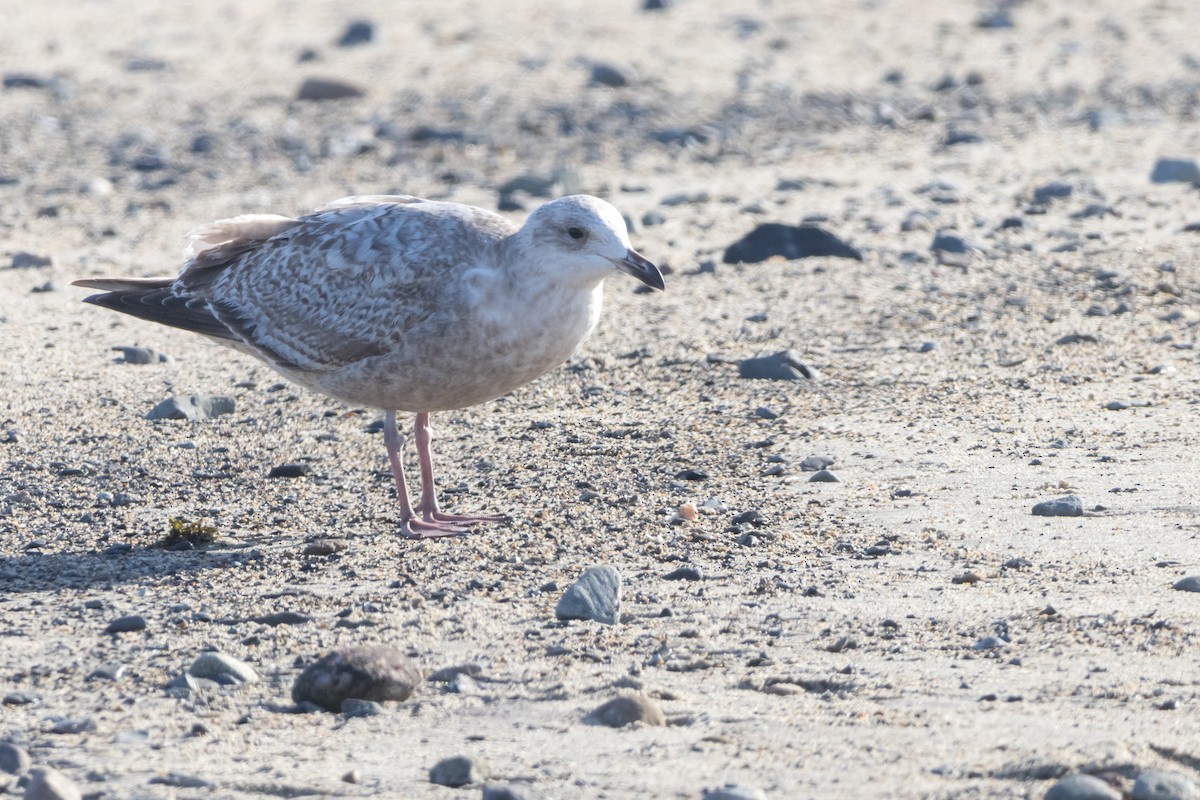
(586, 240)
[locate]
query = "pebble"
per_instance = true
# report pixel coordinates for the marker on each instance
(1082, 787)
(361, 31)
(193, 407)
(1175, 170)
(24, 260)
(990, 643)
(318, 89)
(296, 470)
(789, 241)
(1068, 506)
(608, 75)
(1189, 584)
(366, 673)
(13, 759)
(211, 665)
(127, 624)
(50, 784)
(918, 221)
(1057, 190)
(140, 355)
(458, 771)
(1164, 785)
(732, 791)
(781, 366)
(595, 595)
(107, 672)
(952, 250)
(509, 791)
(652, 218)
(824, 476)
(354, 707)
(684, 574)
(816, 463)
(627, 709)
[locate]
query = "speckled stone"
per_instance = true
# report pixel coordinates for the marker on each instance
(626, 710)
(210, 665)
(1164, 785)
(1082, 787)
(364, 673)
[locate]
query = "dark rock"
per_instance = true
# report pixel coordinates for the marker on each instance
(127, 624)
(751, 517)
(366, 673)
(1069, 506)
(781, 366)
(956, 136)
(824, 476)
(358, 32)
(652, 218)
(952, 250)
(734, 792)
(318, 89)
(995, 18)
(193, 407)
(626, 710)
(512, 791)
(1189, 584)
(608, 75)
(1175, 170)
(27, 80)
(647, 5)
(458, 771)
(684, 574)
(298, 470)
(278, 618)
(596, 595)
(789, 241)
(1082, 787)
(13, 759)
(691, 475)
(815, 463)
(353, 707)
(1052, 191)
(24, 260)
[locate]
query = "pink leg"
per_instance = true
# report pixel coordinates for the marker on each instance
(429, 505)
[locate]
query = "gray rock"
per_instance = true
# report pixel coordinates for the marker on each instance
(296, 470)
(1163, 785)
(318, 89)
(781, 366)
(596, 595)
(1189, 584)
(141, 355)
(608, 75)
(193, 407)
(361, 31)
(1175, 170)
(458, 771)
(1049, 192)
(211, 665)
(127, 624)
(108, 672)
(13, 759)
(952, 250)
(50, 784)
(509, 791)
(734, 792)
(1082, 787)
(824, 476)
(353, 707)
(815, 463)
(789, 241)
(365, 673)
(1069, 506)
(626, 710)
(918, 221)
(684, 574)
(23, 260)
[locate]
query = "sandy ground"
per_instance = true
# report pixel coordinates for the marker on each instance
(949, 400)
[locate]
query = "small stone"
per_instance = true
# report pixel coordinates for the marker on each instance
(1068, 506)
(127, 624)
(193, 407)
(458, 771)
(298, 470)
(1189, 584)
(684, 574)
(50, 784)
(360, 31)
(366, 673)
(608, 75)
(781, 366)
(952, 250)
(968, 578)
(652, 218)
(762, 412)
(1175, 170)
(1163, 785)
(319, 89)
(325, 547)
(13, 759)
(824, 476)
(1082, 787)
(990, 643)
(815, 463)
(213, 664)
(596, 595)
(918, 221)
(691, 475)
(1049, 192)
(509, 791)
(789, 241)
(140, 355)
(732, 791)
(23, 260)
(995, 18)
(107, 672)
(626, 710)
(354, 707)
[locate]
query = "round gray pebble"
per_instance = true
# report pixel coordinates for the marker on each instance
(1163, 785)
(596, 595)
(1069, 506)
(626, 710)
(210, 665)
(50, 784)
(364, 673)
(824, 476)
(14, 760)
(458, 771)
(1189, 584)
(127, 624)
(1082, 787)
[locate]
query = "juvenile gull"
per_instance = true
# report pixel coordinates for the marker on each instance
(397, 302)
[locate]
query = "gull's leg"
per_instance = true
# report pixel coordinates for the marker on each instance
(412, 526)
(428, 505)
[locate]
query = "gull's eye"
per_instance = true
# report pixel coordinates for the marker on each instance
(576, 233)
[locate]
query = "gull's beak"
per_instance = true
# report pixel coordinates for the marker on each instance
(640, 267)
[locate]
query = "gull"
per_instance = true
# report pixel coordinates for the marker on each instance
(397, 302)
